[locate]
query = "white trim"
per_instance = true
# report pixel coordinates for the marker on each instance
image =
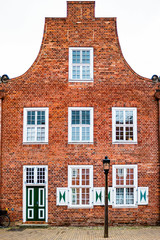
(34, 185)
(80, 64)
(70, 109)
(134, 125)
(80, 186)
(46, 125)
(124, 186)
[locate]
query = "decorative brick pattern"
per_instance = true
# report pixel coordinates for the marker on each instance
(46, 84)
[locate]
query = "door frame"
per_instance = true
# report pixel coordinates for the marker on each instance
(25, 185)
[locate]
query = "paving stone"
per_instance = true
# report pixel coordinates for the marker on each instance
(80, 233)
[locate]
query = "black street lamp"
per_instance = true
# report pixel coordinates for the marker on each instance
(106, 165)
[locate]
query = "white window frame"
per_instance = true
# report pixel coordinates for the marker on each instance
(80, 64)
(35, 167)
(25, 184)
(70, 167)
(134, 125)
(35, 125)
(70, 109)
(114, 167)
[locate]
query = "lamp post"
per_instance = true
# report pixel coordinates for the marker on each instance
(106, 165)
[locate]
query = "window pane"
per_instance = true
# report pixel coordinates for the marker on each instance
(30, 134)
(119, 176)
(75, 196)
(119, 117)
(129, 133)
(75, 177)
(85, 72)
(41, 134)
(85, 133)
(30, 117)
(129, 117)
(41, 175)
(29, 175)
(129, 196)
(119, 196)
(85, 177)
(41, 117)
(76, 72)
(75, 117)
(130, 176)
(75, 56)
(85, 196)
(86, 56)
(75, 133)
(85, 117)
(80, 185)
(119, 133)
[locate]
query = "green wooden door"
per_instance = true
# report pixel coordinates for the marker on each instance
(36, 201)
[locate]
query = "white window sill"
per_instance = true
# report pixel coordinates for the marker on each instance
(34, 143)
(80, 207)
(80, 143)
(124, 206)
(89, 80)
(125, 142)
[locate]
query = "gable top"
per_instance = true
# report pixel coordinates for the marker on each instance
(81, 9)
(77, 30)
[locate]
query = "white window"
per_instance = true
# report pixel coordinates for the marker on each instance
(35, 125)
(81, 64)
(80, 125)
(35, 174)
(80, 183)
(125, 185)
(124, 125)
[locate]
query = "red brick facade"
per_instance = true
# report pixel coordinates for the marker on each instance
(46, 84)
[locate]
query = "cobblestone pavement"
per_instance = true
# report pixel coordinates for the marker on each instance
(75, 233)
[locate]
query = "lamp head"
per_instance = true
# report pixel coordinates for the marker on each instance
(106, 164)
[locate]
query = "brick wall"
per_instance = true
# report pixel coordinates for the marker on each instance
(46, 84)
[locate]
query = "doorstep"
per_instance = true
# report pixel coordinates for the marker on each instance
(34, 225)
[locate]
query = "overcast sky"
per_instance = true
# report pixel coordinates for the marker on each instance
(22, 25)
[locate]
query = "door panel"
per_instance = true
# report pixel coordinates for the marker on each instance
(35, 200)
(30, 214)
(41, 213)
(30, 197)
(41, 197)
